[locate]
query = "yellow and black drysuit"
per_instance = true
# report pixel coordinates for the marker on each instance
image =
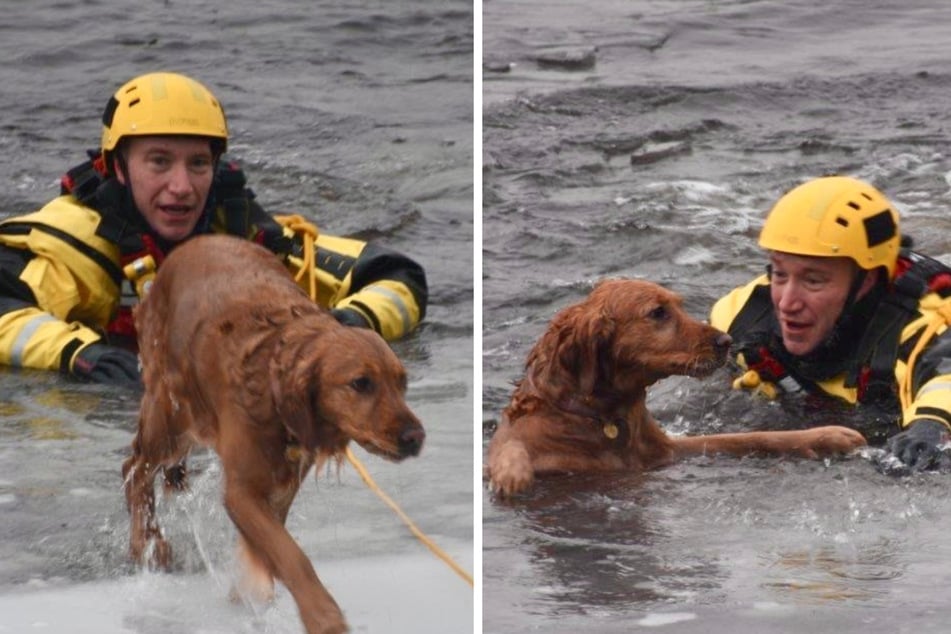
(891, 348)
(70, 271)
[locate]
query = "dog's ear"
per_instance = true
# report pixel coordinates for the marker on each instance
(594, 343)
(295, 392)
(576, 350)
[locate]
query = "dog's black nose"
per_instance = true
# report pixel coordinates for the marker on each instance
(411, 440)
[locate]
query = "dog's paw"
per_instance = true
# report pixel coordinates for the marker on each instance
(833, 439)
(510, 470)
(326, 624)
(254, 583)
(157, 554)
(242, 593)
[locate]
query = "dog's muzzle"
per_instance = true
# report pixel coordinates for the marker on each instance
(410, 440)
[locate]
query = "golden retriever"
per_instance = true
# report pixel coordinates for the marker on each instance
(580, 406)
(235, 356)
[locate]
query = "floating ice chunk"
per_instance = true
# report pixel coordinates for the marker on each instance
(569, 58)
(694, 255)
(666, 618)
(693, 190)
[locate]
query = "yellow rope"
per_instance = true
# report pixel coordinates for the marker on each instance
(309, 234)
(406, 520)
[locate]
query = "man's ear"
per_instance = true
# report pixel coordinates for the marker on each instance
(871, 279)
(117, 168)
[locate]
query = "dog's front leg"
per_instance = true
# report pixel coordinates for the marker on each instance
(269, 543)
(139, 482)
(255, 582)
(510, 467)
(155, 446)
(809, 443)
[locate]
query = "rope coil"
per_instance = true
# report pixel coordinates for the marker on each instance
(309, 233)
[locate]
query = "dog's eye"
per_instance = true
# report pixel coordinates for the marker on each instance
(361, 384)
(659, 314)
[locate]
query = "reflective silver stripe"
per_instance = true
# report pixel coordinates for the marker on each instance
(934, 385)
(127, 295)
(26, 333)
(789, 384)
(397, 301)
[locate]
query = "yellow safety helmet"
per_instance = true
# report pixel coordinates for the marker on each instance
(835, 216)
(163, 103)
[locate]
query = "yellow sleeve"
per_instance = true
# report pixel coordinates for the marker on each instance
(364, 282)
(932, 401)
(385, 288)
(33, 338)
(931, 368)
(45, 334)
(59, 288)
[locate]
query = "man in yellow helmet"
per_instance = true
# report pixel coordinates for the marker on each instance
(70, 272)
(845, 311)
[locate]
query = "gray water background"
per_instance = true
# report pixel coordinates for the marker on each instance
(659, 161)
(357, 115)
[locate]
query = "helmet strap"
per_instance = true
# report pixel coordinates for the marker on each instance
(857, 310)
(854, 289)
(123, 167)
(117, 165)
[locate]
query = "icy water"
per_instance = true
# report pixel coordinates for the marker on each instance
(647, 139)
(357, 115)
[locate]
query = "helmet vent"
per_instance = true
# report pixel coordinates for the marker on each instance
(842, 221)
(880, 228)
(854, 206)
(134, 102)
(110, 112)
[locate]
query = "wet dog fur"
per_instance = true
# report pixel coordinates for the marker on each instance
(580, 406)
(236, 357)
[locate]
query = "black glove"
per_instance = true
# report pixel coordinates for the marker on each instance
(349, 317)
(103, 363)
(918, 445)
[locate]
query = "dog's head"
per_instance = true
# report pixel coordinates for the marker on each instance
(344, 383)
(624, 336)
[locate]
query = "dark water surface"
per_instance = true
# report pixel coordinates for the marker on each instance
(357, 115)
(655, 154)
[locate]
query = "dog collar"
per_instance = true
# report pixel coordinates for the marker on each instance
(612, 429)
(617, 429)
(293, 452)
